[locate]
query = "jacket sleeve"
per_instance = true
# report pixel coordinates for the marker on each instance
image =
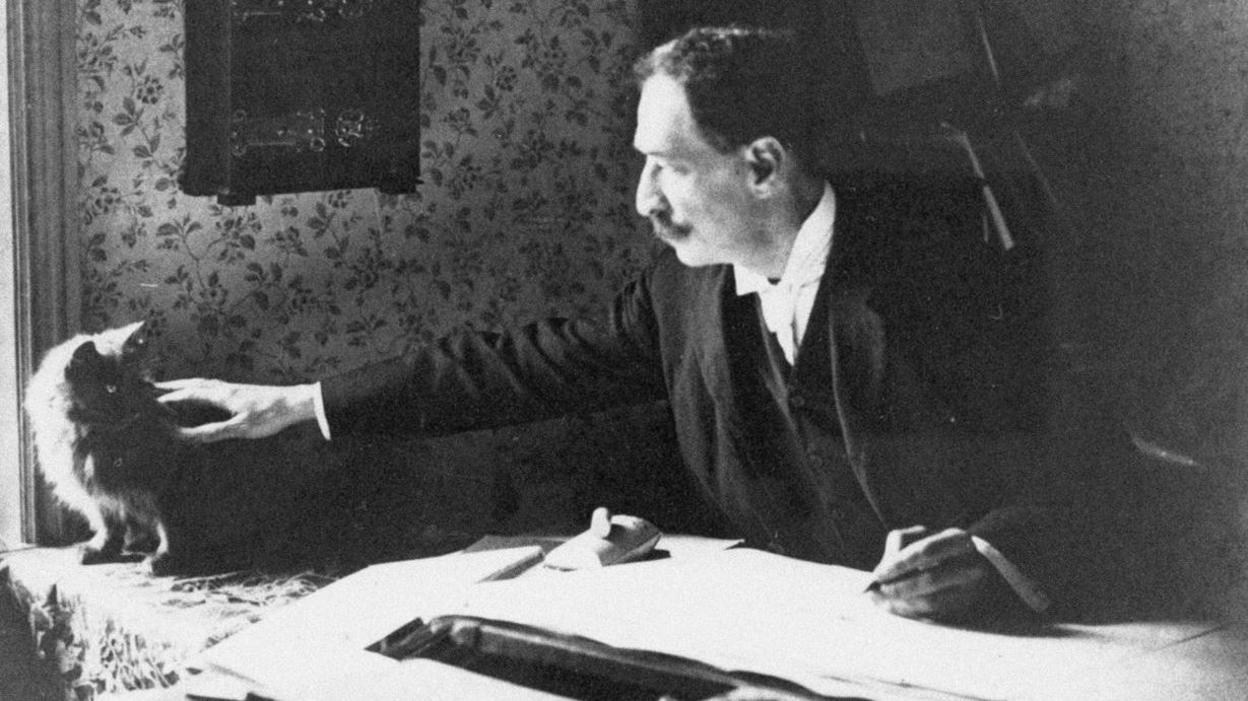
(975, 422)
(473, 380)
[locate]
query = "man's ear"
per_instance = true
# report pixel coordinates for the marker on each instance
(765, 157)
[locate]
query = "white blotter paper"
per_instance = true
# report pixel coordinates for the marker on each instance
(746, 610)
(740, 610)
(321, 639)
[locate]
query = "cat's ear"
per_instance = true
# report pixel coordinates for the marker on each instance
(130, 332)
(135, 339)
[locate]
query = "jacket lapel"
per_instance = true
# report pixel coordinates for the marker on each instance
(895, 434)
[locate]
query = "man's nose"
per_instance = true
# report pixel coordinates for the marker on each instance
(649, 198)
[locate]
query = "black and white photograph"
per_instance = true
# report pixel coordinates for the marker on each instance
(637, 350)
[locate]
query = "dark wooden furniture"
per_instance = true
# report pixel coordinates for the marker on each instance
(300, 95)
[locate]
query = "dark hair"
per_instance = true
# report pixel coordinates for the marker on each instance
(742, 83)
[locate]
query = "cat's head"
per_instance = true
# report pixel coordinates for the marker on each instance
(128, 343)
(105, 375)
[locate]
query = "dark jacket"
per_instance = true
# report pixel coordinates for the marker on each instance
(939, 364)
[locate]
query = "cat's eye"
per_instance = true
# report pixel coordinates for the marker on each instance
(111, 389)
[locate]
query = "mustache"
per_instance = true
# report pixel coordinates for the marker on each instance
(665, 228)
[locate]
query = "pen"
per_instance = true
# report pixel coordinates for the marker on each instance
(876, 583)
(895, 544)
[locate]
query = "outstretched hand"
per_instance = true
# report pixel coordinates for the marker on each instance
(939, 576)
(256, 411)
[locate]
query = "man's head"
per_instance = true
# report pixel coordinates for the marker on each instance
(724, 122)
(741, 83)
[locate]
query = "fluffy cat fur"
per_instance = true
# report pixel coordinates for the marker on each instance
(110, 452)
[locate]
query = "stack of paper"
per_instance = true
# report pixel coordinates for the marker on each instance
(319, 641)
(738, 610)
(746, 610)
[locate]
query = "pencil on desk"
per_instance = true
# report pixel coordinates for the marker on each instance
(876, 583)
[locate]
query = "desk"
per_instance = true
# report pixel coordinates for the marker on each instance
(433, 681)
(1210, 667)
(757, 612)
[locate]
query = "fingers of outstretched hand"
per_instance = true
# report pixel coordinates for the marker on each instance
(217, 393)
(197, 389)
(179, 383)
(257, 411)
(218, 431)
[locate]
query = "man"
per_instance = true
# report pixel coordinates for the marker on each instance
(851, 376)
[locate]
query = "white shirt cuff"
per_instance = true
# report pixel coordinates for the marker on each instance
(318, 403)
(1024, 586)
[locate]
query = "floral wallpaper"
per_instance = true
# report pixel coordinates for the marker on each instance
(525, 209)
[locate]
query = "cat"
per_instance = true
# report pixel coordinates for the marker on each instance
(111, 452)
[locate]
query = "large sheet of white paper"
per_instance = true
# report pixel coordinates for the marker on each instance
(740, 610)
(753, 611)
(322, 638)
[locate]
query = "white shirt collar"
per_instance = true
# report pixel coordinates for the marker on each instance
(807, 258)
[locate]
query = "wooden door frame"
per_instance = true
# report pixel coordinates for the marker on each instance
(45, 304)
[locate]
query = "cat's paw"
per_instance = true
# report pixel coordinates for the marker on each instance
(141, 544)
(195, 565)
(166, 564)
(91, 554)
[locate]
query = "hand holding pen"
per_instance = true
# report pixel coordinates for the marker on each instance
(932, 575)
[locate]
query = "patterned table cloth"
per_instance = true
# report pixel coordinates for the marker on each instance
(111, 628)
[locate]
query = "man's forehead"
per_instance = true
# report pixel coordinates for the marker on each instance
(665, 124)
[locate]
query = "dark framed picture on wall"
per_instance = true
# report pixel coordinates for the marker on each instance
(286, 96)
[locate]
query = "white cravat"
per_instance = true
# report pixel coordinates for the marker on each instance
(787, 303)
